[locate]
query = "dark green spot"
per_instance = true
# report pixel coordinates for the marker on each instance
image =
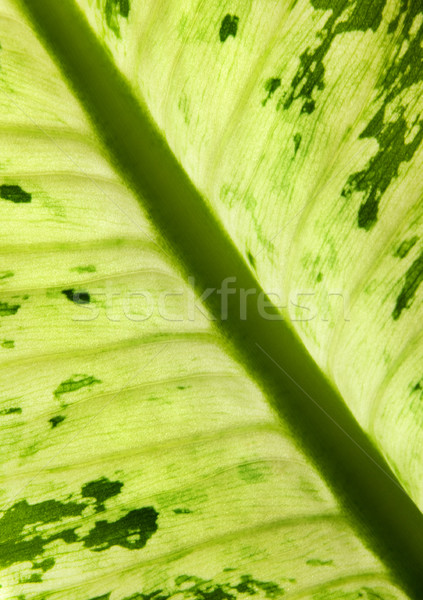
(8, 344)
(103, 597)
(361, 16)
(15, 194)
(374, 126)
(413, 279)
(181, 579)
(252, 472)
(6, 275)
(55, 421)
(194, 588)
(24, 537)
(101, 490)
(319, 277)
(251, 259)
(316, 562)
(397, 139)
(20, 537)
(297, 142)
(75, 383)
(417, 387)
(271, 86)
(405, 247)
(44, 565)
(308, 107)
(35, 578)
(124, 7)
(131, 531)
(406, 66)
(6, 310)
(251, 586)
(367, 214)
(356, 15)
(15, 410)
(228, 27)
(85, 269)
(113, 9)
(77, 297)
(373, 181)
(182, 511)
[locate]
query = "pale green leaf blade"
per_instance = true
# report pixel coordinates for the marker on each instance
(301, 124)
(139, 460)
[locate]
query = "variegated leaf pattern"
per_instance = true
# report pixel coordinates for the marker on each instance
(139, 459)
(302, 123)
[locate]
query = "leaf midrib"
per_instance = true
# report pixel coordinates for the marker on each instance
(382, 512)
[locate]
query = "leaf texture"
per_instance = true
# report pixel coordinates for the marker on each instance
(140, 459)
(303, 129)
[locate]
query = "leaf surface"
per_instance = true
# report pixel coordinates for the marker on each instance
(303, 129)
(140, 458)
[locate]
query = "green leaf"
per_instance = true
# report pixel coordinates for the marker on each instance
(304, 134)
(151, 451)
